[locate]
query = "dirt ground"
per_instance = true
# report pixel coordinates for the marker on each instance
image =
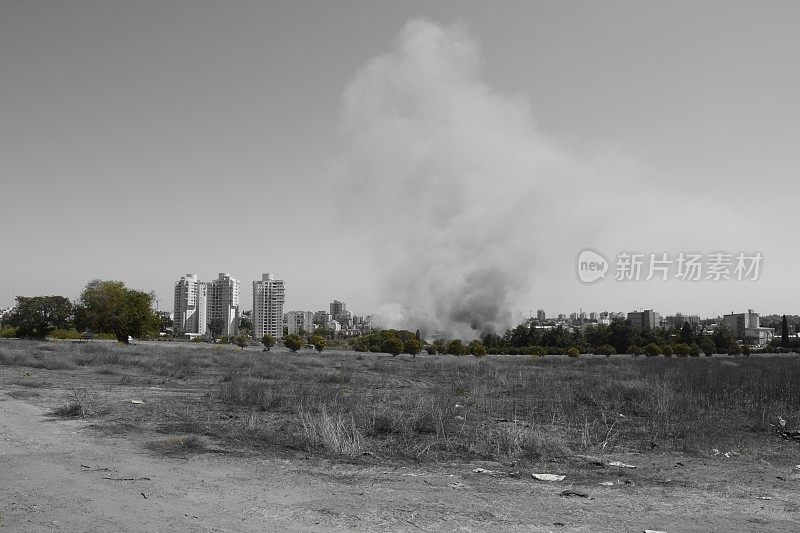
(67, 475)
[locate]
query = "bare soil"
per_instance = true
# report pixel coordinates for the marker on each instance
(106, 473)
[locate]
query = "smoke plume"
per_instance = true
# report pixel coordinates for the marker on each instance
(449, 182)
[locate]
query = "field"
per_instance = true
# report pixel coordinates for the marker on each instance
(209, 437)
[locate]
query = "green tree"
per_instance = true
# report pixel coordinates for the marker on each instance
(667, 350)
(456, 347)
(682, 349)
(412, 346)
(392, 345)
(35, 317)
(268, 341)
(784, 332)
(245, 326)
(687, 334)
(694, 350)
(735, 349)
(110, 307)
(318, 341)
(216, 326)
(293, 342)
(241, 341)
(708, 346)
(723, 338)
(746, 349)
(439, 346)
(477, 348)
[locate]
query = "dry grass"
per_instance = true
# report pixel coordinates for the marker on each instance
(430, 407)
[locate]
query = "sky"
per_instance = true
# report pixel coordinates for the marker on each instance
(421, 160)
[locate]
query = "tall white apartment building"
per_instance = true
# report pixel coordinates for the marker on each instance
(268, 297)
(223, 302)
(199, 302)
(191, 305)
(297, 321)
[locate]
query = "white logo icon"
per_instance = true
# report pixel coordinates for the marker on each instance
(591, 266)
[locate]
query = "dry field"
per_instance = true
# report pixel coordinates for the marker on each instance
(99, 436)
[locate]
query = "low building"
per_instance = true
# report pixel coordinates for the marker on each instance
(298, 322)
(746, 327)
(642, 320)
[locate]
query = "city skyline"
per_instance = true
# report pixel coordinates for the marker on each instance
(547, 133)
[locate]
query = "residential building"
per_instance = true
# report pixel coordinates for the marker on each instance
(337, 308)
(540, 315)
(298, 322)
(647, 319)
(321, 318)
(190, 305)
(223, 303)
(680, 319)
(268, 297)
(746, 327)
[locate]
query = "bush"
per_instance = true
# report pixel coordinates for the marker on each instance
(293, 342)
(65, 334)
(573, 352)
(734, 349)
(456, 347)
(477, 348)
(694, 350)
(652, 350)
(392, 345)
(431, 349)
(667, 350)
(318, 342)
(412, 346)
(708, 347)
(635, 350)
(8, 332)
(746, 350)
(682, 350)
(606, 350)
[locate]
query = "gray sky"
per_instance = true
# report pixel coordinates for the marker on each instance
(143, 140)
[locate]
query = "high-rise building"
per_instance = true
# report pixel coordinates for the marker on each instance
(647, 319)
(268, 297)
(190, 305)
(223, 303)
(540, 315)
(337, 308)
(299, 322)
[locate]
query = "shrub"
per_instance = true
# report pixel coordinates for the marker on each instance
(746, 350)
(573, 352)
(8, 332)
(456, 347)
(431, 349)
(694, 350)
(667, 350)
(65, 334)
(635, 350)
(477, 348)
(652, 350)
(412, 346)
(708, 347)
(682, 349)
(606, 350)
(293, 342)
(318, 342)
(734, 349)
(392, 345)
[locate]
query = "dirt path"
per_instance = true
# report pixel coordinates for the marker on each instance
(60, 476)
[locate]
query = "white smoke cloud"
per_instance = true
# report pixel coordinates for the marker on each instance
(454, 188)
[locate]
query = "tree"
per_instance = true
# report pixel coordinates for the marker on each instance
(318, 342)
(723, 338)
(241, 341)
(293, 342)
(392, 345)
(216, 327)
(456, 347)
(268, 341)
(35, 317)
(682, 349)
(412, 346)
(708, 346)
(687, 334)
(439, 346)
(245, 326)
(784, 332)
(477, 348)
(734, 349)
(694, 350)
(110, 307)
(667, 350)
(746, 349)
